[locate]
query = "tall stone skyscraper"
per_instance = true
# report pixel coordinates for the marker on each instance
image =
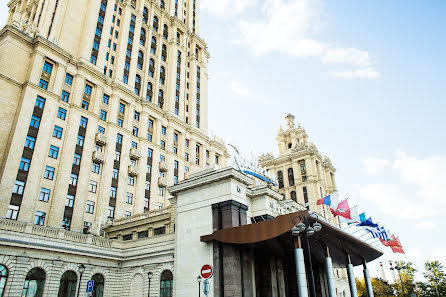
(103, 105)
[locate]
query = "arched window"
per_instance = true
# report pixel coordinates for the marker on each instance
(153, 45)
(166, 288)
(145, 15)
(162, 5)
(162, 75)
(140, 60)
(293, 196)
(151, 67)
(142, 38)
(34, 283)
(280, 179)
(155, 23)
(137, 84)
(137, 285)
(164, 53)
(3, 279)
(67, 286)
(291, 176)
(160, 99)
(98, 288)
(149, 94)
(166, 32)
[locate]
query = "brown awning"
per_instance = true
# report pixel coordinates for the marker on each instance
(276, 232)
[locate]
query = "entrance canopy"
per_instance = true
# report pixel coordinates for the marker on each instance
(275, 235)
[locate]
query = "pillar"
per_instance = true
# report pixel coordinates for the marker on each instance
(351, 278)
(300, 269)
(330, 276)
(368, 282)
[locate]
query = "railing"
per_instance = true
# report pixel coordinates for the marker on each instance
(52, 232)
(146, 215)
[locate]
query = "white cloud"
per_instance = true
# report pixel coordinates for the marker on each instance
(238, 88)
(374, 166)
(289, 27)
(226, 8)
(418, 191)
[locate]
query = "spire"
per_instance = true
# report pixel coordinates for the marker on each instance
(290, 121)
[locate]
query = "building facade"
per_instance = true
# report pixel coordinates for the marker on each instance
(103, 105)
(160, 253)
(303, 174)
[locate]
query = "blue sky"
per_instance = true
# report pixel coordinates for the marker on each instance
(366, 80)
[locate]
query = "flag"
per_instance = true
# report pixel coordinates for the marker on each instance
(366, 222)
(330, 200)
(376, 233)
(398, 248)
(354, 217)
(343, 210)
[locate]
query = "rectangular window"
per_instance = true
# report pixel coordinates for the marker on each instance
(186, 156)
(54, 152)
(93, 59)
(160, 191)
(43, 84)
(57, 132)
(150, 124)
(146, 202)
(80, 140)
(39, 219)
(30, 142)
(65, 95)
(101, 130)
(69, 79)
(121, 107)
(70, 201)
(13, 212)
(19, 187)
(186, 169)
(125, 79)
(149, 137)
(175, 179)
(305, 192)
(117, 156)
(96, 167)
(35, 122)
(111, 212)
(134, 145)
(129, 198)
(90, 207)
(40, 102)
(98, 148)
(24, 164)
(163, 130)
(87, 89)
(175, 150)
(77, 159)
(119, 122)
(127, 214)
(103, 115)
(105, 98)
(84, 122)
(61, 113)
(135, 131)
(93, 186)
(147, 185)
(186, 142)
(66, 223)
(136, 116)
(163, 145)
(162, 158)
(119, 138)
(44, 194)
(49, 173)
(131, 180)
(85, 104)
(150, 153)
(115, 173)
(113, 192)
(73, 179)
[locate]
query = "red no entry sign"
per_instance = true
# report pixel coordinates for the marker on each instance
(206, 271)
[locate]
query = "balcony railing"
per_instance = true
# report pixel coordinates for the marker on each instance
(98, 156)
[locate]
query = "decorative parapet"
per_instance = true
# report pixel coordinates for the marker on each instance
(266, 157)
(52, 232)
(146, 215)
(305, 146)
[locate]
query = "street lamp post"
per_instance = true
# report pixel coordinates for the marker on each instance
(149, 275)
(199, 285)
(304, 227)
(81, 270)
(397, 267)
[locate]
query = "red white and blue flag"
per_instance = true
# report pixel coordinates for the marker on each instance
(330, 200)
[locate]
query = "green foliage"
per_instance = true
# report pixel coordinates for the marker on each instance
(436, 280)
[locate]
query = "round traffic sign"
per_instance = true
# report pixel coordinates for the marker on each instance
(206, 271)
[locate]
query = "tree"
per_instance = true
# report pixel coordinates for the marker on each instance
(406, 276)
(381, 288)
(436, 280)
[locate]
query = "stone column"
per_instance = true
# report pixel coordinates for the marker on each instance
(368, 282)
(330, 276)
(300, 269)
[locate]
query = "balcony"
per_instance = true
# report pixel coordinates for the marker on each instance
(134, 154)
(101, 139)
(162, 182)
(133, 171)
(98, 157)
(163, 166)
